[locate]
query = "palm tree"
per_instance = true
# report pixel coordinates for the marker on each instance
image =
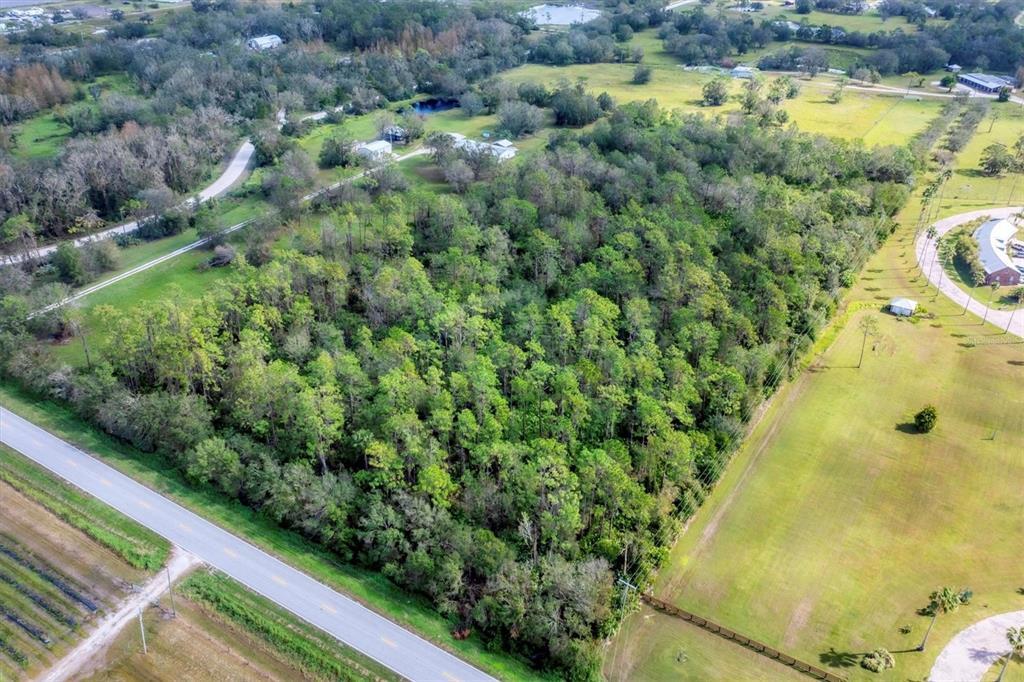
(931, 234)
(995, 288)
(1016, 298)
(1015, 636)
(868, 325)
(946, 252)
(943, 600)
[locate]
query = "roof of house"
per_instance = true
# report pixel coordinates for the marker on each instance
(270, 40)
(985, 80)
(905, 303)
(992, 237)
(376, 146)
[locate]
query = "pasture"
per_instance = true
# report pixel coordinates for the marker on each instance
(874, 117)
(836, 520)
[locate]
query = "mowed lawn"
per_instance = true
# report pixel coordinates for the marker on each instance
(40, 136)
(836, 520)
(968, 189)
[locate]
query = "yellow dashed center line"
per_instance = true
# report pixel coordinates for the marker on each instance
(449, 676)
(328, 608)
(231, 553)
(278, 579)
(389, 642)
(105, 482)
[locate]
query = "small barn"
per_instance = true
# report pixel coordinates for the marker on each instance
(267, 42)
(902, 307)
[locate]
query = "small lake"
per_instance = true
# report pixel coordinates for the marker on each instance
(434, 105)
(561, 15)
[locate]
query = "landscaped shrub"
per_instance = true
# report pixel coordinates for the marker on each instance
(925, 419)
(878, 661)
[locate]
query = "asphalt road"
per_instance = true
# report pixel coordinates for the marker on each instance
(348, 621)
(236, 167)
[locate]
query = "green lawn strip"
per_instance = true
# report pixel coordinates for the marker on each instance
(40, 136)
(367, 587)
(305, 646)
(135, 544)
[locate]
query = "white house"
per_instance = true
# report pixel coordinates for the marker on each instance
(267, 42)
(378, 150)
(903, 307)
(503, 150)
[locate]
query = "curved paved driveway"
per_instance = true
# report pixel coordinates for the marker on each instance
(974, 650)
(235, 169)
(925, 250)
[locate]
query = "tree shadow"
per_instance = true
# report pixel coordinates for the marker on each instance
(1015, 363)
(907, 427)
(839, 659)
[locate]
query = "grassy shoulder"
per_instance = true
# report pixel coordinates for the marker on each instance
(202, 645)
(312, 651)
(368, 587)
(138, 546)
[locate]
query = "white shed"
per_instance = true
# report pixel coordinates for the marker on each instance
(267, 42)
(902, 307)
(378, 150)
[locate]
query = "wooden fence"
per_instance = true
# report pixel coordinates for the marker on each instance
(752, 644)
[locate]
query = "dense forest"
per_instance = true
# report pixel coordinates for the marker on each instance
(979, 35)
(502, 400)
(128, 153)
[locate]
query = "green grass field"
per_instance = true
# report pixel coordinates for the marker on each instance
(40, 136)
(969, 189)
(836, 520)
(872, 117)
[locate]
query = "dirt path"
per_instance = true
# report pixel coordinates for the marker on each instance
(107, 630)
(974, 650)
(925, 250)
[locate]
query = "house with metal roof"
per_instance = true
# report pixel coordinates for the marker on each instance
(903, 307)
(378, 150)
(267, 42)
(994, 238)
(984, 82)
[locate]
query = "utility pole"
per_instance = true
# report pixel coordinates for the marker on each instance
(142, 629)
(170, 590)
(628, 586)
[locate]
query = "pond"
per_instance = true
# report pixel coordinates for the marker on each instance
(434, 105)
(561, 15)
